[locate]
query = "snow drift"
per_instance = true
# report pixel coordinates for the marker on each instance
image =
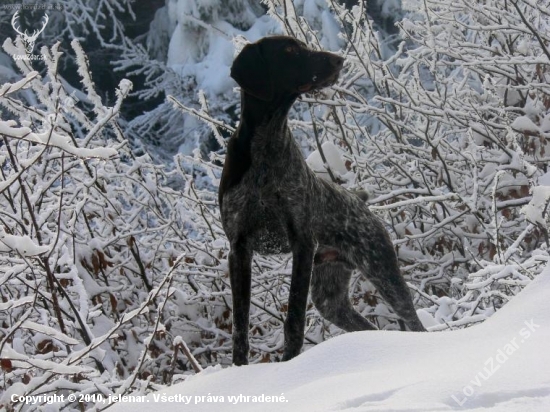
(501, 365)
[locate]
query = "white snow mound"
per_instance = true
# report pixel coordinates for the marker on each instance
(501, 365)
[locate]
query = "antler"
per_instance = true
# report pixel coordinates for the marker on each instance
(35, 33)
(13, 23)
(27, 36)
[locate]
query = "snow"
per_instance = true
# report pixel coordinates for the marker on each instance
(499, 365)
(334, 157)
(536, 211)
(54, 138)
(47, 330)
(544, 180)
(524, 124)
(23, 245)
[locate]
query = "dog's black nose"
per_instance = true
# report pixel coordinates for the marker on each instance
(336, 61)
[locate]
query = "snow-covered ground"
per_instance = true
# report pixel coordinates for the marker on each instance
(501, 365)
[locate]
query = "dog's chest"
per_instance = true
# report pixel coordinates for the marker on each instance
(270, 192)
(259, 212)
(260, 206)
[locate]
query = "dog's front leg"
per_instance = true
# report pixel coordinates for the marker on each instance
(240, 260)
(302, 265)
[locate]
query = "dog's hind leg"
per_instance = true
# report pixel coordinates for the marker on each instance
(380, 266)
(329, 292)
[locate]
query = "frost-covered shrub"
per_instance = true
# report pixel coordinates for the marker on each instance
(105, 273)
(473, 123)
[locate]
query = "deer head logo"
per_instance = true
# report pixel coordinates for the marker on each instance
(28, 39)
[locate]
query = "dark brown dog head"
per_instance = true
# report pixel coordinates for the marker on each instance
(279, 66)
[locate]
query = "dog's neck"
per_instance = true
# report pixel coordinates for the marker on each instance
(256, 112)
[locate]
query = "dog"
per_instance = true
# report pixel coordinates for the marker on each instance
(271, 202)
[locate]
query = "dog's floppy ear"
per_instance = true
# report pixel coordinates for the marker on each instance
(251, 72)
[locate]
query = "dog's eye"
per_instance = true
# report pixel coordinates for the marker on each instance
(291, 49)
